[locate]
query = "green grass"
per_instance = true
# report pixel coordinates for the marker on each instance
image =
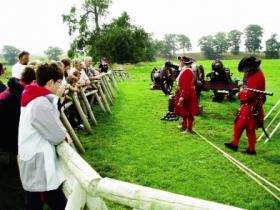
(133, 145)
(7, 74)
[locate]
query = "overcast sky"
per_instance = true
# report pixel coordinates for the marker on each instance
(34, 25)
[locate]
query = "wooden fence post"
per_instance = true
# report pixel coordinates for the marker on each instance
(114, 82)
(103, 97)
(97, 97)
(72, 133)
(84, 98)
(110, 90)
(80, 111)
(105, 90)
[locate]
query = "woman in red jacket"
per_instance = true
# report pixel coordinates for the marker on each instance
(251, 115)
(186, 99)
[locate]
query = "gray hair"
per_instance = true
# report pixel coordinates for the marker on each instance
(87, 58)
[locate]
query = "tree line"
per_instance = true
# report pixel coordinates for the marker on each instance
(10, 53)
(213, 46)
(122, 42)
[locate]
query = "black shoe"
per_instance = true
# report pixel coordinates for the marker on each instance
(166, 116)
(182, 129)
(247, 151)
(231, 146)
(191, 132)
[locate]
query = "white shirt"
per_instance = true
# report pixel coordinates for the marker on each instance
(83, 76)
(17, 70)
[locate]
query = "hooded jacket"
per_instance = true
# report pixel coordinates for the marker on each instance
(40, 130)
(9, 113)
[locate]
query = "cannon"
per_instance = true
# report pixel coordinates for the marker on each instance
(221, 83)
(163, 79)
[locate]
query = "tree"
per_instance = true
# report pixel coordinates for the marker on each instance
(169, 46)
(234, 39)
(214, 46)
(53, 53)
(10, 54)
(221, 44)
(272, 47)
(184, 42)
(122, 42)
(84, 24)
(119, 40)
(207, 46)
(253, 40)
(158, 47)
(89, 19)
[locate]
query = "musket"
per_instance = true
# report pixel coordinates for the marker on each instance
(259, 91)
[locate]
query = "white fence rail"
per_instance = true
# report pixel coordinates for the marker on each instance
(85, 187)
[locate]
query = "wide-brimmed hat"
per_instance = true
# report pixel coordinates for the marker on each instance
(186, 60)
(249, 62)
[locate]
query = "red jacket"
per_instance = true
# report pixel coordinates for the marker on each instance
(186, 90)
(251, 113)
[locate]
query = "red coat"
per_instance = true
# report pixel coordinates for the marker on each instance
(251, 114)
(186, 90)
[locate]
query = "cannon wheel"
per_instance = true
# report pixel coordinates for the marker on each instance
(154, 70)
(201, 74)
(166, 86)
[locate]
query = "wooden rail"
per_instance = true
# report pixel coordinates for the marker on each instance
(85, 187)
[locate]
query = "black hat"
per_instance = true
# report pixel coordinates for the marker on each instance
(251, 63)
(186, 60)
(217, 64)
(167, 64)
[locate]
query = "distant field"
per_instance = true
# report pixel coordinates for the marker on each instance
(134, 145)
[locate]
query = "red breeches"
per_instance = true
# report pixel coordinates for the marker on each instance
(251, 136)
(187, 123)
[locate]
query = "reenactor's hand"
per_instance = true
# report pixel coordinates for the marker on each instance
(68, 139)
(60, 91)
(181, 101)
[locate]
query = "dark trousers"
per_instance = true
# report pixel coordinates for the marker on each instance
(12, 195)
(55, 199)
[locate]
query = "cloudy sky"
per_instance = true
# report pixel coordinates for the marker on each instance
(34, 25)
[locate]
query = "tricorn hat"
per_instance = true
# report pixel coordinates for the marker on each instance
(250, 63)
(186, 60)
(167, 64)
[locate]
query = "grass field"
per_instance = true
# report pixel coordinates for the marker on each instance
(134, 145)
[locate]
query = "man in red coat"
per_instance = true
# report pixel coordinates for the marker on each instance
(186, 100)
(251, 115)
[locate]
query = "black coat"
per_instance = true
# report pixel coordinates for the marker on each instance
(2, 86)
(9, 117)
